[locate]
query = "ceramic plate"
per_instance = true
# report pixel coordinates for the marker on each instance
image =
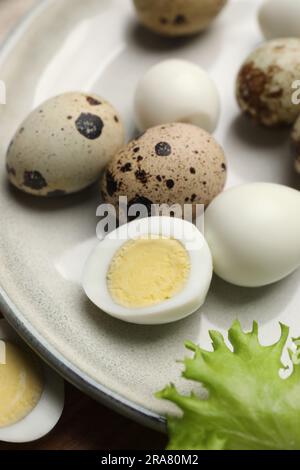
(97, 45)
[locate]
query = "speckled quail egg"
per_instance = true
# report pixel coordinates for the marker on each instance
(279, 19)
(31, 394)
(151, 271)
(265, 82)
(296, 143)
(178, 17)
(177, 91)
(170, 164)
(64, 144)
(253, 232)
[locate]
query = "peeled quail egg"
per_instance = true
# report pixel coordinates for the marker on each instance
(150, 271)
(253, 232)
(265, 83)
(177, 17)
(64, 144)
(177, 91)
(169, 164)
(279, 19)
(31, 394)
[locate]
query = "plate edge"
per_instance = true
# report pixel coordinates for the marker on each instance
(16, 319)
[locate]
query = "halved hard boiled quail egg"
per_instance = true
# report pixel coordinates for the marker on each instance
(31, 394)
(151, 271)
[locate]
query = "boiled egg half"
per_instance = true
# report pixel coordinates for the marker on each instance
(151, 271)
(31, 394)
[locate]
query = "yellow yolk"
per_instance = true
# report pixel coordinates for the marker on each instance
(21, 383)
(148, 271)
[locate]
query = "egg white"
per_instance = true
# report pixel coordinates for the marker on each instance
(186, 302)
(176, 90)
(278, 19)
(253, 231)
(42, 419)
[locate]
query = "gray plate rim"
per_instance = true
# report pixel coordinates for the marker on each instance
(34, 339)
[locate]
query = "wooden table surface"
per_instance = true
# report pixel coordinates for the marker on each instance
(85, 425)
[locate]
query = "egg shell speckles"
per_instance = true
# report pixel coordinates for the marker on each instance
(264, 83)
(296, 144)
(178, 17)
(64, 144)
(169, 164)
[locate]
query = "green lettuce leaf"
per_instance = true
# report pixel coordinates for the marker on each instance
(249, 406)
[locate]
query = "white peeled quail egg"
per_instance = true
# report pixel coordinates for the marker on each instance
(151, 271)
(253, 231)
(31, 394)
(279, 19)
(178, 17)
(177, 91)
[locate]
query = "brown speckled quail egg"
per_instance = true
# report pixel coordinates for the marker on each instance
(296, 143)
(64, 144)
(177, 17)
(169, 164)
(265, 82)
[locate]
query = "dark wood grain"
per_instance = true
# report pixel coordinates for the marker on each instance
(85, 425)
